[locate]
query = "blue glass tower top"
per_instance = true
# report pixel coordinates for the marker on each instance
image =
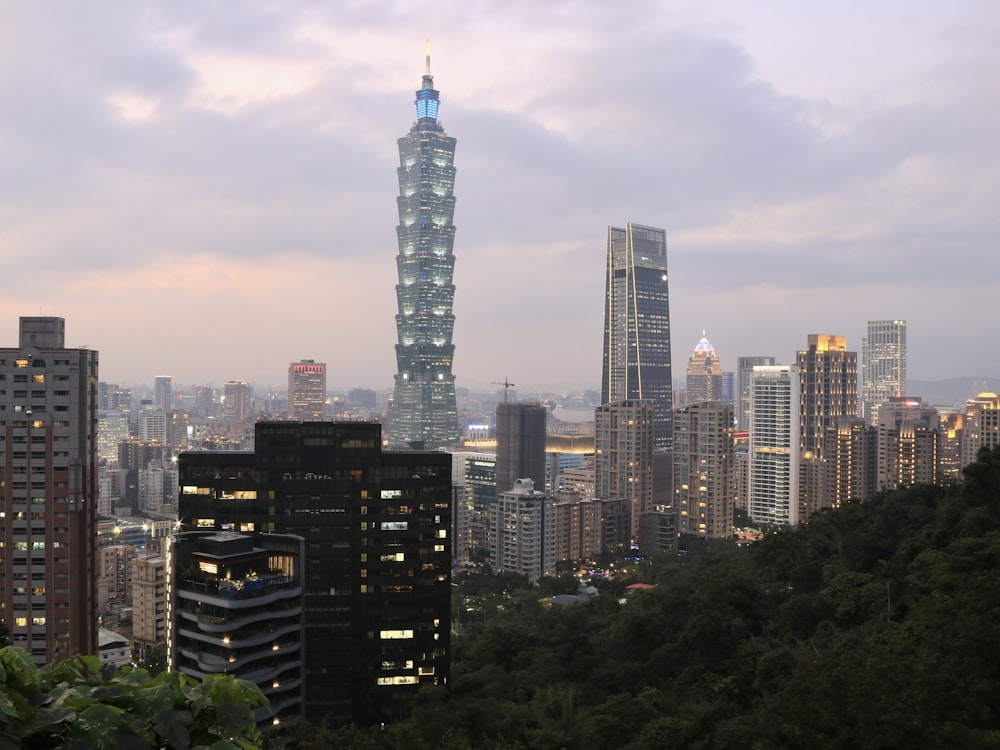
(427, 96)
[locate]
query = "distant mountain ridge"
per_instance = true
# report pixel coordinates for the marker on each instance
(953, 391)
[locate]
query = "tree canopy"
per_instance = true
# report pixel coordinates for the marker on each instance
(875, 626)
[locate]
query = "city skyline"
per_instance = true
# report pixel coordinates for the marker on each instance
(197, 160)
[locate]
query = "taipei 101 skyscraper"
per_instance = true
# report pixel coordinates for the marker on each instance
(424, 412)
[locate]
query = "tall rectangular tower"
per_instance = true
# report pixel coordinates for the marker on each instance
(307, 390)
(883, 365)
(703, 467)
(774, 445)
(48, 486)
(637, 325)
(163, 395)
(236, 400)
(520, 445)
(424, 410)
(828, 392)
(624, 435)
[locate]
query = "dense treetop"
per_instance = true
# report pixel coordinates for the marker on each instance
(875, 626)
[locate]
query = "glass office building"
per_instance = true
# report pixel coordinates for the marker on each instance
(637, 325)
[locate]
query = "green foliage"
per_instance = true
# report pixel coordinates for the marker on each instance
(875, 626)
(70, 705)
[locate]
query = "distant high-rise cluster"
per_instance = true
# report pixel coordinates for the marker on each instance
(883, 365)
(424, 410)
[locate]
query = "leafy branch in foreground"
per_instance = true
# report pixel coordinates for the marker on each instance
(70, 705)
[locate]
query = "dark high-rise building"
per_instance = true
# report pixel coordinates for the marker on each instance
(48, 489)
(377, 552)
(637, 325)
(424, 410)
(520, 445)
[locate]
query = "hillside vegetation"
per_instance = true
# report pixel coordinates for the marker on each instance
(876, 626)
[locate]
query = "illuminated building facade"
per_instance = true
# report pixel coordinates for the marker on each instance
(637, 325)
(704, 374)
(49, 492)
(424, 410)
(236, 608)
(774, 445)
(828, 392)
(908, 443)
(377, 531)
(307, 390)
(236, 403)
(703, 468)
(623, 457)
(883, 365)
(980, 427)
(524, 532)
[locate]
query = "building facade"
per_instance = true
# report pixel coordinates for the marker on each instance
(637, 325)
(774, 446)
(703, 469)
(376, 526)
(623, 458)
(520, 444)
(307, 390)
(149, 605)
(704, 375)
(237, 406)
(744, 385)
(908, 443)
(980, 426)
(163, 393)
(828, 392)
(236, 607)
(424, 410)
(48, 486)
(883, 365)
(524, 532)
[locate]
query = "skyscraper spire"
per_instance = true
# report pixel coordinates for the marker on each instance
(427, 96)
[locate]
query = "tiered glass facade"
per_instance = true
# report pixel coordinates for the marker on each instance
(424, 410)
(637, 324)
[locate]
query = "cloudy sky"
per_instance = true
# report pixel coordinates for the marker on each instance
(207, 189)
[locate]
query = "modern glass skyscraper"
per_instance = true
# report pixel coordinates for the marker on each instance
(637, 325)
(883, 365)
(424, 409)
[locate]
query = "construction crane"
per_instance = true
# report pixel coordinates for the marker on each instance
(507, 385)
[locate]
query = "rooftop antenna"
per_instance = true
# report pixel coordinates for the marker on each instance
(507, 385)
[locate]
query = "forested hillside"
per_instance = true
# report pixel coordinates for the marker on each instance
(876, 626)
